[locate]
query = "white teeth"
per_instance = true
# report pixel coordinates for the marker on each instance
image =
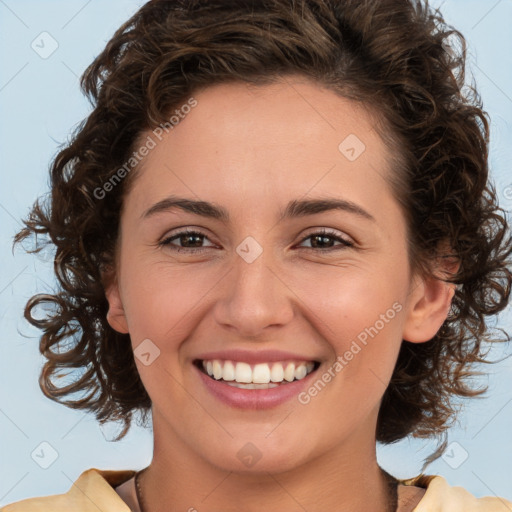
(289, 372)
(228, 371)
(243, 372)
(261, 375)
(300, 371)
(217, 369)
(252, 386)
(277, 373)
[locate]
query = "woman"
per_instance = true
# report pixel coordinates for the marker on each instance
(276, 232)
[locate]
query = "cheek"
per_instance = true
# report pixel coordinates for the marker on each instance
(351, 303)
(160, 299)
(360, 316)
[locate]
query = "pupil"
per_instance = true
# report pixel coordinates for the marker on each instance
(321, 237)
(197, 237)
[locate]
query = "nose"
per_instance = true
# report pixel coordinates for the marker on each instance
(254, 298)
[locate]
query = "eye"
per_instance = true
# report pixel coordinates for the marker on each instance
(190, 238)
(320, 238)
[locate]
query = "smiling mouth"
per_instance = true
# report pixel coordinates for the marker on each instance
(256, 376)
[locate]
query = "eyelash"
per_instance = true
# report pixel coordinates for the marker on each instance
(166, 242)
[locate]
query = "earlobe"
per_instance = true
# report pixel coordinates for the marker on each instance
(116, 315)
(429, 306)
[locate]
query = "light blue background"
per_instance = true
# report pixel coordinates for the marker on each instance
(40, 102)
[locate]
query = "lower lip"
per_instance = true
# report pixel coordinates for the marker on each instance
(254, 398)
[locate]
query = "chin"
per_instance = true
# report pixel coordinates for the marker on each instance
(257, 457)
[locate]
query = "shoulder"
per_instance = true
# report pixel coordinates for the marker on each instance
(442, 497)
(93, 490)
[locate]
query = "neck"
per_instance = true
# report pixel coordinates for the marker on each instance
(346, 478)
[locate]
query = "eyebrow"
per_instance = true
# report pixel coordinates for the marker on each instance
(295, 208)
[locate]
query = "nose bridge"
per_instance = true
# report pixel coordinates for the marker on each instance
(255, 297)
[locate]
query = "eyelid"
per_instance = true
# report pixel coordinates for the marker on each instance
(348, 240)
(343, 240)
(174, 234)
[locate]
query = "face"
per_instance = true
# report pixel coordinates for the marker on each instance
(298, 264)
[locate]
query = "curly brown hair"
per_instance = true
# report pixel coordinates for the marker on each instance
(399, 58)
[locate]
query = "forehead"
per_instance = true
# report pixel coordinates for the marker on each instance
(262, 141)
(292, 111)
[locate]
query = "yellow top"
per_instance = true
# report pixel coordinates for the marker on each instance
(95, 490)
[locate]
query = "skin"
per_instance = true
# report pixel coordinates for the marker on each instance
(251, 149)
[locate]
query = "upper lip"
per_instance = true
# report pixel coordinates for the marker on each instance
(254, 357)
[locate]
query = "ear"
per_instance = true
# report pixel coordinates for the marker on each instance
(428, 307)
(116, 315)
